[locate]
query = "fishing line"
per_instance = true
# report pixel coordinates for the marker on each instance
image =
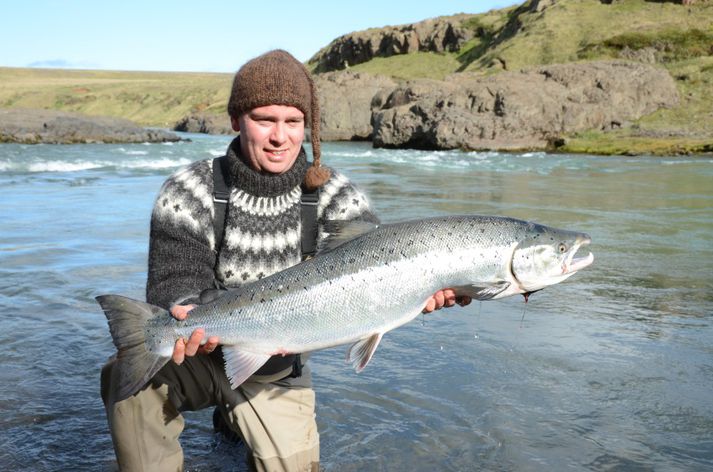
(524, 307)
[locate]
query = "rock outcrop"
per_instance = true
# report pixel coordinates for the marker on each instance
(201, 122)
(520, 110)
(440, 34)
(54, 127)
(346, 102)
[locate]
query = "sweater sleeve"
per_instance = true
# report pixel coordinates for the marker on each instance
(181, 246)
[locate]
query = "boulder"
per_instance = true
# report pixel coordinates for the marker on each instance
(32, 126)
(520, 110)
(346, 100)
(201, 122)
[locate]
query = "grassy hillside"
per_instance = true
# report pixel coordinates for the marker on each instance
(149, 98)
(678, 38)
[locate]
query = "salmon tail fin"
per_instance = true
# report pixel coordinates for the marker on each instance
(135, 363)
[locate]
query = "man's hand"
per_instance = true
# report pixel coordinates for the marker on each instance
(193, 346)
(446, 297)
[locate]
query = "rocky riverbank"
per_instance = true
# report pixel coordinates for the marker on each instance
(531, 109)
(31, 126)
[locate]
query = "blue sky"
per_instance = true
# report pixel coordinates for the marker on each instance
(208, 36)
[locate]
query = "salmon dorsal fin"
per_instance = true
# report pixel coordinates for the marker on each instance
(339, 232)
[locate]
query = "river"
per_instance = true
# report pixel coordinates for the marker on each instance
(610, 370)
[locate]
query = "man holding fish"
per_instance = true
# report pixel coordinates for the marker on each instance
(260, 231)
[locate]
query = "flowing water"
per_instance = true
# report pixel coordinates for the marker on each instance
(610, 370)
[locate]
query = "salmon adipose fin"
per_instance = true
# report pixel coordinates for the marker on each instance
(135, 363)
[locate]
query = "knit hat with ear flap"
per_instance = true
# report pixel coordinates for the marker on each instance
(277, 78)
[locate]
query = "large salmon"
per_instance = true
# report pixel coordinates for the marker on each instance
(351, 293)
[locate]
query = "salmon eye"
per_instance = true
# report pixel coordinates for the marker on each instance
(562, 248)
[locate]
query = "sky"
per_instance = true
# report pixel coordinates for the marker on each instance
(207, 36)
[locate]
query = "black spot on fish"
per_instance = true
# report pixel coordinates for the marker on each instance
(228, 274)
(244, 276)
(344, 210)
(262, 300)
(355, 202)
(165, 202)
(177, 207)
(260, 275)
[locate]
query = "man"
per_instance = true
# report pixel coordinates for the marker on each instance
(272, 98)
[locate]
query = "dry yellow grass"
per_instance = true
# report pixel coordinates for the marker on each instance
(147, 98)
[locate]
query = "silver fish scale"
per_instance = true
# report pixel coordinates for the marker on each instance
(371, 284)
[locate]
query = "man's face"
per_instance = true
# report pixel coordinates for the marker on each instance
(271, 137)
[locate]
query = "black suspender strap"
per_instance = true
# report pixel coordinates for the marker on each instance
(308, 210)
(221, 194)
(308, 203)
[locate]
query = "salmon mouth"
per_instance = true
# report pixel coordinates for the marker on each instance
(573, 264)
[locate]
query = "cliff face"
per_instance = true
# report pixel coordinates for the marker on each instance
(521, 110)
(433, 35)
(511, 110)
(347, 100)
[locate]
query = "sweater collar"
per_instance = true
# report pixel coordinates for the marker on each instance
(260, 184)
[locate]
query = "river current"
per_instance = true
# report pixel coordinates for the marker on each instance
(610, 370)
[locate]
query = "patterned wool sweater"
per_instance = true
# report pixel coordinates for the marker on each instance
(262, 227)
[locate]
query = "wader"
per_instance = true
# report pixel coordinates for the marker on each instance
(274, 416)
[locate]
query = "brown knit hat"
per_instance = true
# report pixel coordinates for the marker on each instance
(277, 78)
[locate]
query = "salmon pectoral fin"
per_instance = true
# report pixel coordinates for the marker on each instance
(482, 291)
(239, 365)
(360, 353)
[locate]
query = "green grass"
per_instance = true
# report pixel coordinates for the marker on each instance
(671, 45)
(428, 65)
(623, 143)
